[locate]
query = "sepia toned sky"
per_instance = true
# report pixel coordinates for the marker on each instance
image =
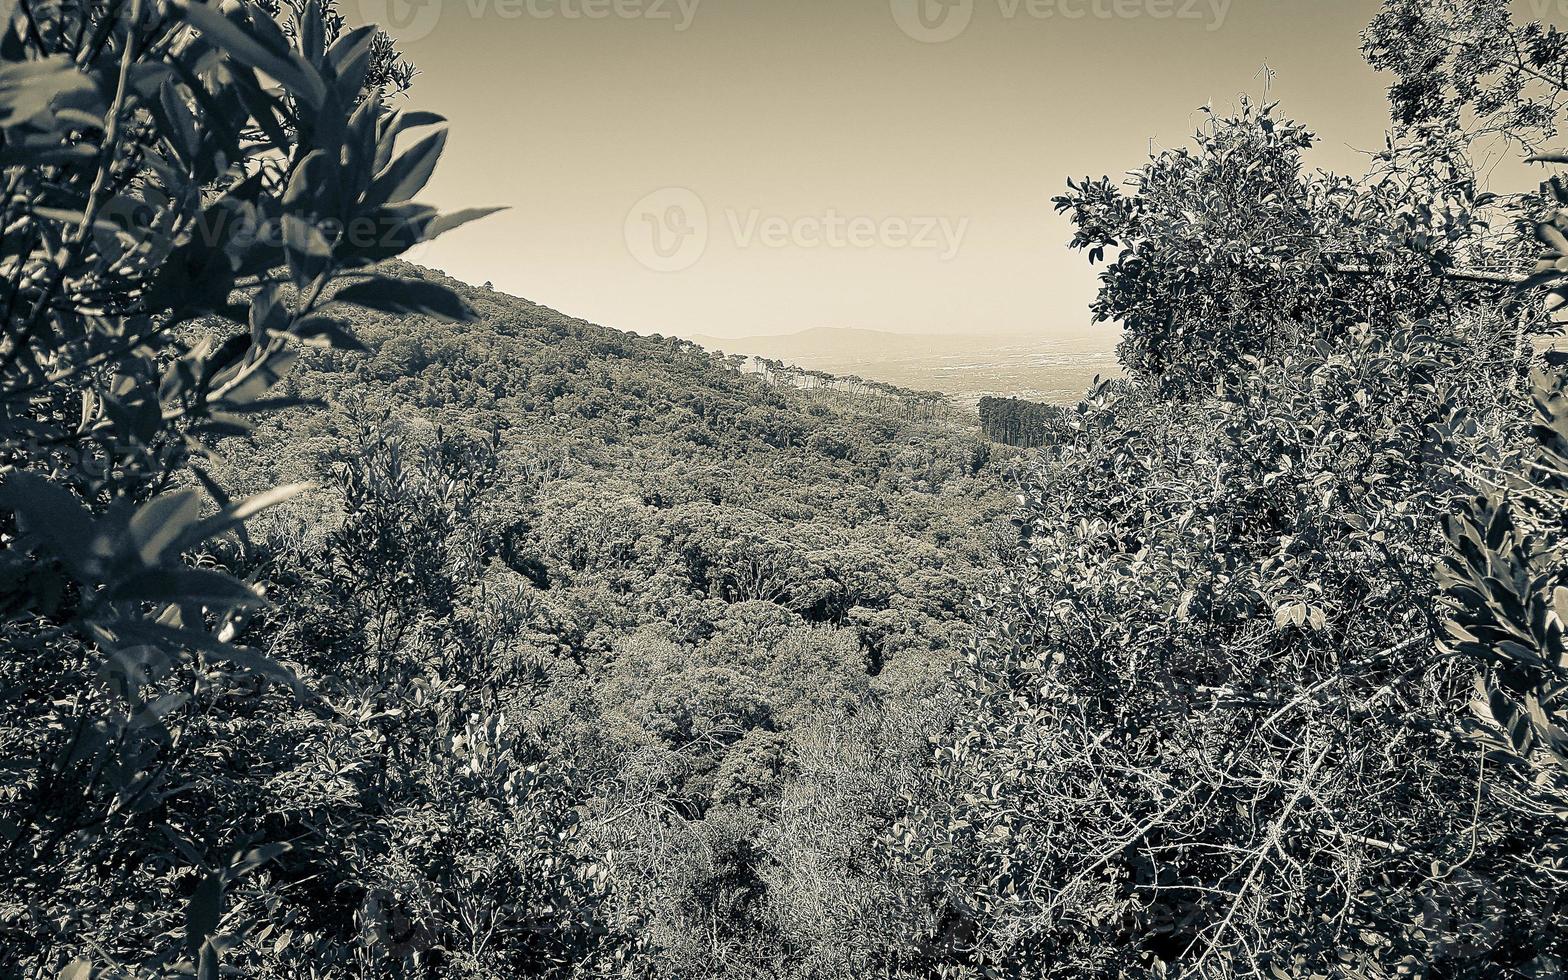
(738, 167)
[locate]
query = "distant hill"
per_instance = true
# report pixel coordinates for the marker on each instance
(820, 342)
(965, 366)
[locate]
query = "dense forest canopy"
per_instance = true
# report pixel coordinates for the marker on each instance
(360, 622)
(1019, 422)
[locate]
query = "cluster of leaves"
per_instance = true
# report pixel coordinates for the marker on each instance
(183, 184)
(1231, 251)
(1212, 726)
(1507, 602)
(434, 827)
(1470, 66)
(1504, 579)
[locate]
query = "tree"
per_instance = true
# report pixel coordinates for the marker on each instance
(1208, 726)
(1230, 253)
(1470, 67)
(185, 185)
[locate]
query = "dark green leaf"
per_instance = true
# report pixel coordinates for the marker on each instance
(407, 296)
(457, 219)
(54, 516)
(202, 913)
(186, 586)
(408, 174)
(158, 524)
(319, 330)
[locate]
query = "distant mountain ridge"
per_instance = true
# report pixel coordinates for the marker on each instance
(848, 341)
(965, 366)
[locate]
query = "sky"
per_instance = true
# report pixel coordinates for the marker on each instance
(740, 167)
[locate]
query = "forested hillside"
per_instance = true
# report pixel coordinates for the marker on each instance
(645, 474)
(667, 587)
(358, 622)
(673, 581)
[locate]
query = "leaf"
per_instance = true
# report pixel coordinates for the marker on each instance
(256, 379)
(31, 151)
(268, 314)
(202, 913)
(390, 295)
(207, 968)
(350, 60)
(309, 252)
(457, 219)
(417, 119)
(160, 523)
(1512, 721)
(54, 516)
(257, 663)
(313, 190)
(248, 861)
(318, 330)
(312, 34)
(386, 232)
(397, 124)
(29, 88)
(178, 124)
(235, 515)
(153, 715)
(223, 425)
(408, 174)
(186, 586)
(302, 80)
(1550, 236)
(124, 634)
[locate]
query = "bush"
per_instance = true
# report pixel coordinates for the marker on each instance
(176, 228)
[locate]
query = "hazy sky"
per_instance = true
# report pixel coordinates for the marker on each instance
(735, 167)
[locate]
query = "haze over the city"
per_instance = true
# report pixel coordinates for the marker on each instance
(742, 167)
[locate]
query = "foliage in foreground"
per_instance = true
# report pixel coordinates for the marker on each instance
(1213, 725)
(153, 180)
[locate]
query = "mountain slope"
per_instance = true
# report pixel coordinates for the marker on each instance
(878, 509)
(694, 586)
